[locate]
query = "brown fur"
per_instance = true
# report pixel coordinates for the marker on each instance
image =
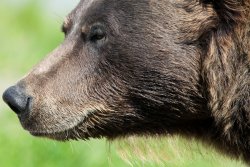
(163, 67)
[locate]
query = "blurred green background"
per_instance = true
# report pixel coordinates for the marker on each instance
(28, 31)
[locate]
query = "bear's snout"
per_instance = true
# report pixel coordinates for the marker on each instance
(17, 99)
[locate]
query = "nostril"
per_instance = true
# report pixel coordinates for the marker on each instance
(17, 100)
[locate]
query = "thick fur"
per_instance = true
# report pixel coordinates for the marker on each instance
(163, 67)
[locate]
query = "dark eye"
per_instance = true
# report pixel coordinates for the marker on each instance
(97, 33)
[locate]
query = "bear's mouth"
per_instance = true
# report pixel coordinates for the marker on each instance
(60, 136)
(78, 131)
(72, 133)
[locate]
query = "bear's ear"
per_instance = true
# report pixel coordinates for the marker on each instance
(228, 11)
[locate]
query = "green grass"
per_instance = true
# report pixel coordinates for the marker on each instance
(171, 151)
(27, 34)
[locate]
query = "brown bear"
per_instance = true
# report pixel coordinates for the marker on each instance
(144, 67)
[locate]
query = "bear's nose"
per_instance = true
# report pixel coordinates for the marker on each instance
(17, 100)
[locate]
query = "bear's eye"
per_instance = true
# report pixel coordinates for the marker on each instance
(97, 33)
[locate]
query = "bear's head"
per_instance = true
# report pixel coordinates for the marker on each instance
(141, 67)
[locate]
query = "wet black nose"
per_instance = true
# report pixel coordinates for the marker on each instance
(17, 100)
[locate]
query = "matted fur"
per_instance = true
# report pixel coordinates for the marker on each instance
(225, 71)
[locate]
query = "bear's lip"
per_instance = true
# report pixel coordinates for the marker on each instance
(59, 135)
(63, 134)
(55, 132)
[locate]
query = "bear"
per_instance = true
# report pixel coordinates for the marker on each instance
(144, 67)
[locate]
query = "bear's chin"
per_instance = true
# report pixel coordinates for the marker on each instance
(69, 134)
(78, 130)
